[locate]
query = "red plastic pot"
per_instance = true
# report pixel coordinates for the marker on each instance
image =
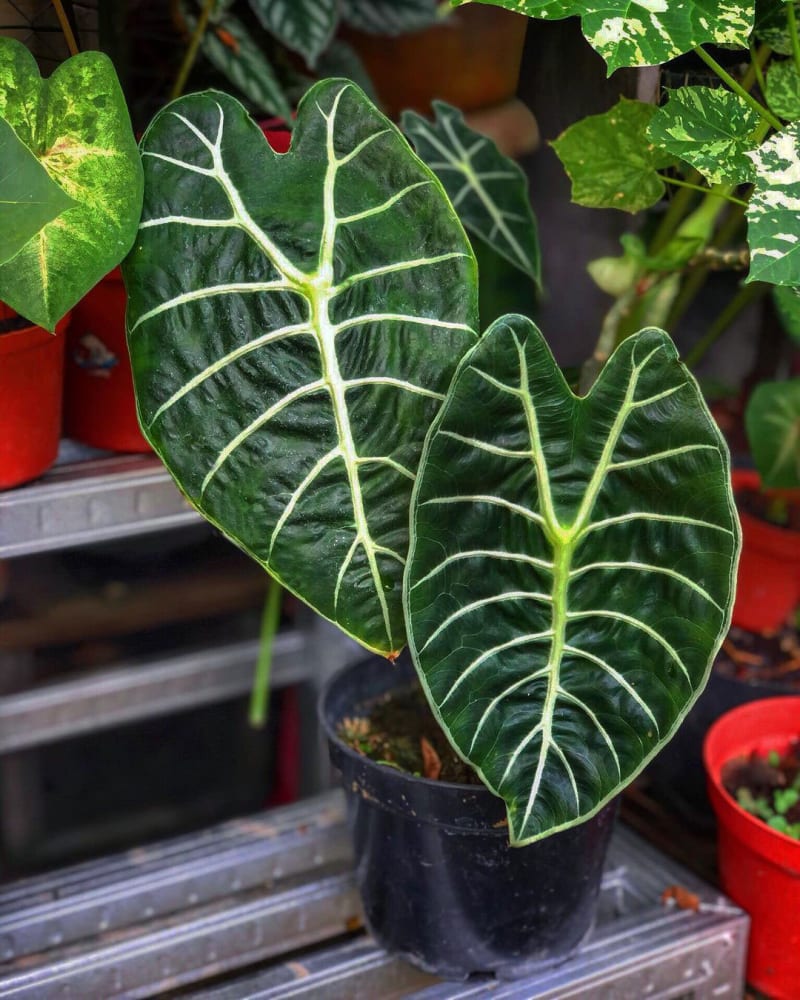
(759, 867)
(99, 405)
(768, 588)
(277, 134)
(31, 380)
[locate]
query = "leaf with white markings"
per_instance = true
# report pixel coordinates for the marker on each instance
(571, 568)
(488, 189)
(773, 208)
(650, 32)
(304, 26)
(610, 160)
(294, 321)
(772, 419)
(388, 17)
(783, 89)
(771, 25)
(76, 124)
(710, 128)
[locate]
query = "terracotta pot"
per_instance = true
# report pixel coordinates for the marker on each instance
(99, 404)
(768, 587)
(759, 867)
(471, 60)
(31, 380)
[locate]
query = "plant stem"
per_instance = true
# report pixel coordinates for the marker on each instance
(191, 50)
(791, 20)
(737, 88)
(715, 193)
(259, 697)
(755, 74)
(66, 27)
(671, 218)
(746, 295)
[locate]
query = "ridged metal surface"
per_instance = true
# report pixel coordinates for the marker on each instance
(255, 890)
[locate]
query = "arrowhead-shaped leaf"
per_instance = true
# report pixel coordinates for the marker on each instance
(487, 188)
(650, 32)
(29, 198)
(76, 123)
(388, 17)
(783, 89)
(772, 211)
(304, 26)
(772, 420)
(712, 129)
(294, 321)
(571, 568)
(610, 160)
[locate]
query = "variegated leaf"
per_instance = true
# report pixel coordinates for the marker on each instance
(304, 26)
(648, 32)
(787, 305)
(771, 26)
(773, 210)
(294, 321)
(783, 89)
(772, 419)
(711, 129)
(488, 189)
(388, 17)
(571, 568)
(610, 160)
(29, 197)
(77, 125)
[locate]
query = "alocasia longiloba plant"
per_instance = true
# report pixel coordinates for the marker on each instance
(303, 333)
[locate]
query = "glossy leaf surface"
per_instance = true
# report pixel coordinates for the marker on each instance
(610, 160)
(76, 124)
(487, 188)
(772, 420)
(29, 198)
(650, 32)
(711, 129)
(571, 568)
(772, 212)
(294, 322)
(304, 26)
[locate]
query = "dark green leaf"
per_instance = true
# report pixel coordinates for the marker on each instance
(571, 568)
(304, 26)
(294, 322)
(388, 17)
(772, 419)
(771, 25)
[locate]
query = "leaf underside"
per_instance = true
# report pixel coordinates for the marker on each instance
(772, 420)
(77, 125)
(294, 322)
(626, 33)
(488, 189)
(772, 210)
(571, 568)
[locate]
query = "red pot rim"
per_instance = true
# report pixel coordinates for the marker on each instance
(763, 725)
(16, 341)
(782, 543)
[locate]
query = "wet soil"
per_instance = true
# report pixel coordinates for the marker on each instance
(399, 730)
(780, 508)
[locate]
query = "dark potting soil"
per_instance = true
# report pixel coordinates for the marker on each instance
(761, 658)
(400, 731)
(779, 508)
(768, 787)
(13, 323)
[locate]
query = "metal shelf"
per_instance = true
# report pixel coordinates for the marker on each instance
(95, 500)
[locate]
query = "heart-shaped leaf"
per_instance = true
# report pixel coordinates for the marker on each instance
(571, 568)
(488, 189)
(304, 26)
(772, 211)
(772, 420)
(29, 198)
(294, 321)
(76, 123)
(647, 32)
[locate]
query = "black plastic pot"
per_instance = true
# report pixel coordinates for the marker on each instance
(439, 882)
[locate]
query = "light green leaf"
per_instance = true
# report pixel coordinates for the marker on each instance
(571, 568)
(242, 61)
(388, 17)
(304, 26)
(787, 305)
(783, 89)
(29, 198)
(650, 32)
(772, 420)
(76, 124)
(610, 160)
(294, 322)
(711, 129)
(773, 210)
(488, 189)
(771, 25)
